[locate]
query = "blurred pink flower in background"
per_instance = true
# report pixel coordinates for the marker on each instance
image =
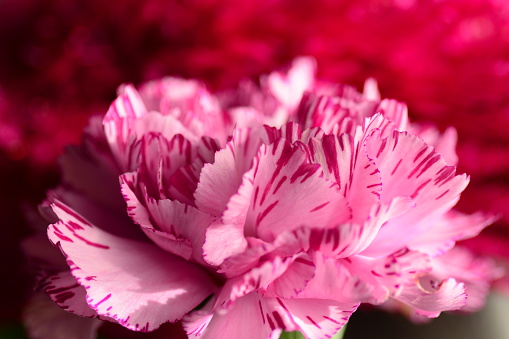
(61, 61)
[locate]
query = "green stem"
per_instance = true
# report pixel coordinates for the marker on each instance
(298, 335)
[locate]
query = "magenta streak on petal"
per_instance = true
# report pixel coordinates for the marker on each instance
(63, 237)
(320, 207)
(103, 300)
(279, 184)
(416, 168)
(261, 310)
(428, 165)
(314, 323)
(331, 156)
(397, 165)
(374, 273)
(62, 297)
(382, 146)
(271, 323)
(262, 215)
(278, 319)
(395, 134)
(257, 189)
(74, 225)
(282, 305)
(374, 172)
(420, 154)
(332, 320)
(441, 195)
(304, 261)
(421, 186)
(71, 212)
(91, 243)
(304, 170)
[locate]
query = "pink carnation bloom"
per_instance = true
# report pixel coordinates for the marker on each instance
(274, 207)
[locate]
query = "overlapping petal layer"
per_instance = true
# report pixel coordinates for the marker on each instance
(250, 229)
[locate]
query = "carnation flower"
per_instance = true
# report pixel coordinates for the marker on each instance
(270, 208)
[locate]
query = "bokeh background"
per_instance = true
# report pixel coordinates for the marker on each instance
(62, 60)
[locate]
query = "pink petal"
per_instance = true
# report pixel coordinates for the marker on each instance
(334, 281)
(118, 122)
(396, 112)
(445, 143)
(294, 280)
(433, 298)
(349, 239)
(65, 292)
(288, 88)
(182, 184)
(185, 223)
(289, 192)
(225, 238)
(237, 264)
(173, 226)
(318, 318)
(250, 317)
(160, 158)
(410, 168)
(370, 90)
(125, 278)
(346, 163)
(221, 179)
(323, 112)
(442, 234)
(476, 272)
(166, 125)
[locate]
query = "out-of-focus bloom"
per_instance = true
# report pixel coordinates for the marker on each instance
(275, 207)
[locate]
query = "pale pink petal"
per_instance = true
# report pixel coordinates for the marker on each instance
(250, 317)
(182, 184)
(396, 112)
(258, 278)
(444, 143)
(318, 318)
(410, 168)
(185, 223)
(441, 235)
(43, 319)
(346, 163)
(173, 226)
(110, 219)
(166, 125)
(323, 112)
(348, 239)
(370, 90)
(160, 158)
(237, 264)
(384, 276)
(429, 298)
(65, 292)
(220, 180)
(118, 122)
(294, 280)
(475, 272)
(135, 283)
(288, 88)
(334, 281)
(289, 192)
(223, 241)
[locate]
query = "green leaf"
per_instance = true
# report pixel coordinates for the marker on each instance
(298, 335)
